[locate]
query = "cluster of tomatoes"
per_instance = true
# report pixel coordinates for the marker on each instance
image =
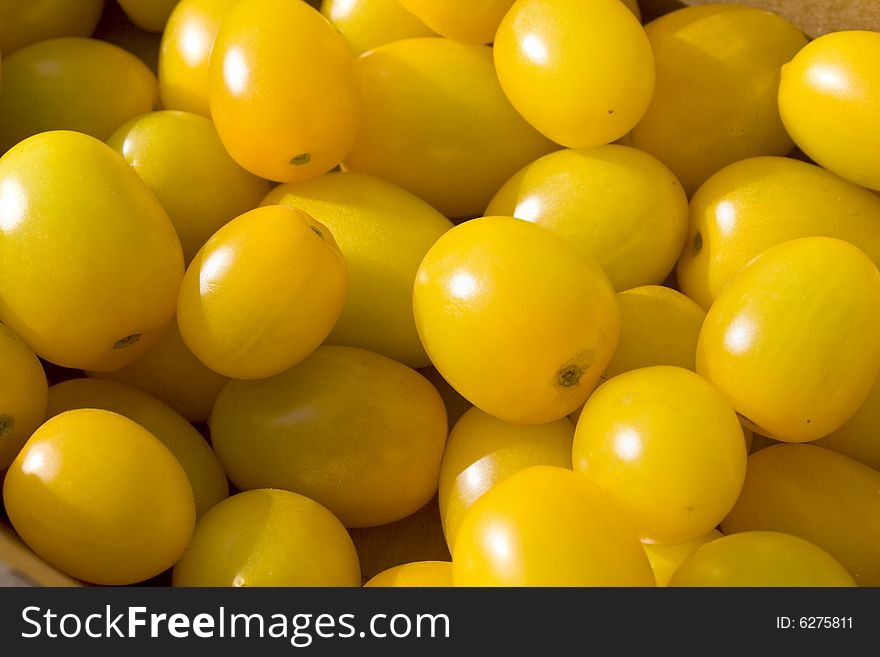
(603, 293)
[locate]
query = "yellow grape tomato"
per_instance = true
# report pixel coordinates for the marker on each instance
(582, 73)
(759, 202)
(761, 559)
(436, 122)
(72, 83)
(356, 431)
(829, 99)
(547, 526)
(618, 205)
(667, 446)
(181, 158)
(383, 232)
(262, 293)
(23, 393)
(100, 498)
(514, 319)
(185, 53)
(819, 495)
(282, 91)
(206, 476)
(90, 264)
(793, 341)
(268, 538)
(715, 98)
(482, 450)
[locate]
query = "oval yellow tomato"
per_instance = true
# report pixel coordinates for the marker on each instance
(582, 73)
(181, 158)
(185, 53)
(262, 294)
(665, 559)
(356, 431)
(72, 83)
(90, 265)
(149, 15)
(171, 373)
(383, 232)
(761, 559)
(482, 450)
(282, 91)
(100, 498)
(367, 24)
(759, 202)
(618, 205)
(436, 123)
(546, 526)
(23, 23)
(206, 476)
(793, 341)
(829, 99)
(819, 495)
(23, 391)
(514, 319)
(667, 447)
(268, 538)
(418, 573)
(463, 20)
(715, 98)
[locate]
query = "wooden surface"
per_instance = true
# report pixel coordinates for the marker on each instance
(814, 17)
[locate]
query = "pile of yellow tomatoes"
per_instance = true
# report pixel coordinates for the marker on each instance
(286, 284)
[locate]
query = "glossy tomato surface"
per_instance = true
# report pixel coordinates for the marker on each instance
(100, 498)
(282, 91)
(793, 341)
(514, 319)
(90, 264)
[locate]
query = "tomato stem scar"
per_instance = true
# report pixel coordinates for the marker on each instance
(127, 341)
(7, 424)
(302, 158)
(570, 376)
(698, 243)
